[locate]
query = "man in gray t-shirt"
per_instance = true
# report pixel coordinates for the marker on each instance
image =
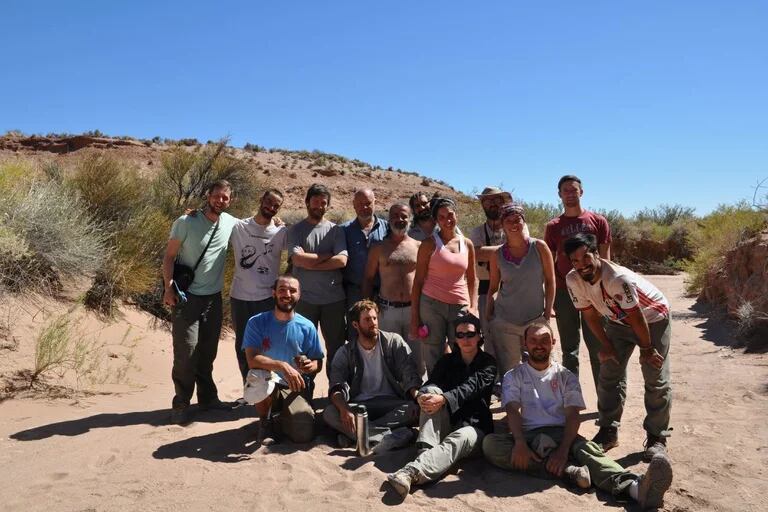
(318, 252)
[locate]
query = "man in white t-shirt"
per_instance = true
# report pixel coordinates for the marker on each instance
(542, 399)
(257, 244)
(637, 313)
(375, 370)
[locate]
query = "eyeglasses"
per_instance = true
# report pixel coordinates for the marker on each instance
(494, 200)
(460, 335)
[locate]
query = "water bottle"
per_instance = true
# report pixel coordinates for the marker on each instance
(361, 426)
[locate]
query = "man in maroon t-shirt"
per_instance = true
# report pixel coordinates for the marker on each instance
(574, 220)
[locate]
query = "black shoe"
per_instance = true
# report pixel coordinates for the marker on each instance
(180, 416)
(654, 445)
(266, 435)
(216, 405)
(607, 438)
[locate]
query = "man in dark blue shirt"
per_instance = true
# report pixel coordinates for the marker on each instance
(361, 232)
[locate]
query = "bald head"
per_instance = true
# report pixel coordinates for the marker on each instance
(364, 202)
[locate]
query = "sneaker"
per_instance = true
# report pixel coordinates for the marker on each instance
(607, 438)
(655, 482)
(653, 446)
(266, 435)
(578, 475)
(402, 480)
(344, 442)
(180, 416)
(398, 438)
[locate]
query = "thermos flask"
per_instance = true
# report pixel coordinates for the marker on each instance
(361, 426)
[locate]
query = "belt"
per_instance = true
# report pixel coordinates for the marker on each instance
(392, 304)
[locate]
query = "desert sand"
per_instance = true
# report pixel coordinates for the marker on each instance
(114, 450)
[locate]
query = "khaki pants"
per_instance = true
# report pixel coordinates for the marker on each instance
(293, 416)
(508, 341)
(606, 474)
(445, 444)
(399, 320)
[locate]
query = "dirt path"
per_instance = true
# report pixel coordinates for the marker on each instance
(116, 451)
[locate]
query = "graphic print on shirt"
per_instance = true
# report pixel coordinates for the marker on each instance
(249, 256)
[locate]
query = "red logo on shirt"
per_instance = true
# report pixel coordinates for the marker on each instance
(554, 384)
(266, 344)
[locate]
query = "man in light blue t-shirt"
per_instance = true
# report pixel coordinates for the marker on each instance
(284, 342)
(197, 320)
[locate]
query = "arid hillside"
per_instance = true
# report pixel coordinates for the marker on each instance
(291, 171)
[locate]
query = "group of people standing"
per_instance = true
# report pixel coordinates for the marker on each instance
(421, 325)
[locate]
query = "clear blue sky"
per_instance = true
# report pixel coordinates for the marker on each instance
(649, 102)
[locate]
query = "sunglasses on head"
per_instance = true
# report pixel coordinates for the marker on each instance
(460, 335)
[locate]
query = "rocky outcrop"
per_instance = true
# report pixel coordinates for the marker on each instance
(741, 280)
(63, 144)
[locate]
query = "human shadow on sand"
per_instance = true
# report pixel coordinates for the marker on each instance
(233, 445)
(157, 418)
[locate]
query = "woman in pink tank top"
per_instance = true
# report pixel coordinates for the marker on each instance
(444, 287)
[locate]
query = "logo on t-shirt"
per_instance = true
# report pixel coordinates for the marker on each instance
(554, 385)
(266, 344)
(627, 292)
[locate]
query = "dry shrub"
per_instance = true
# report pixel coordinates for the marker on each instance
(186, 173)
(55, 238)
(110, 188)
(717, 233)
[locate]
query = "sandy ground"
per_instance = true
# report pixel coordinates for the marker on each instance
(114, 450)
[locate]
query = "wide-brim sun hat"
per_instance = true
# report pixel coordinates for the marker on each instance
(494, 191)
(259, 384)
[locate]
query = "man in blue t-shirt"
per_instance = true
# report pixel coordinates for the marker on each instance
(284, 342)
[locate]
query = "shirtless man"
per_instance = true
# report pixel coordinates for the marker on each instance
(394, 259)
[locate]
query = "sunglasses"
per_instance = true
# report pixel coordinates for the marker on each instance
(460, 335)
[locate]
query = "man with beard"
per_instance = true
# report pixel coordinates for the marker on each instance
(361, 233)
(423, 223)
(542, 399)
(284, 342)
(374, 370)
(574, 219)
(257, 243)
(488, 234)
(394, 261)
(199, 242)
(636, 314)
(318, 252)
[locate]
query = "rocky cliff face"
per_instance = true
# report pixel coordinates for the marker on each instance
(741, 284)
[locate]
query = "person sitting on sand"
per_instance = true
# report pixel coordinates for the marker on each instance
(455, 413)
(285, 342)
(542, 399)
(375, 370)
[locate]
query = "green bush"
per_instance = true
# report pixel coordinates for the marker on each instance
(718, 233)
(110, 188)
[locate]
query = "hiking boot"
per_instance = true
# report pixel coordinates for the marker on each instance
(607, 438)
(398, 438)
(653, 446)
(266, 435)
(578, 475)
(402, 480)
(181, 416)
(655, 482)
